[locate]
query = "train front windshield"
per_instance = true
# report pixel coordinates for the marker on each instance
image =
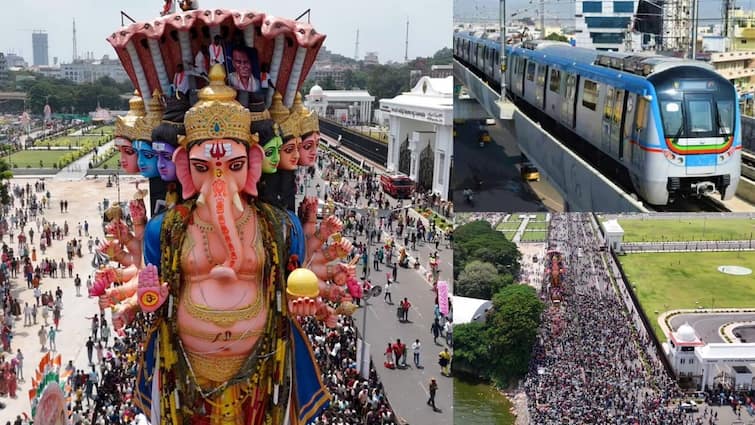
(695, 106)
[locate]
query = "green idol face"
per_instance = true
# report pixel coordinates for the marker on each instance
(272, 155)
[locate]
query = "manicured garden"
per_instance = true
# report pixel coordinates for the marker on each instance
(533, 235)
(40, 158)
(687, 229)
(672, 281)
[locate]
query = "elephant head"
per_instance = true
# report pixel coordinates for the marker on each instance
(217, 161)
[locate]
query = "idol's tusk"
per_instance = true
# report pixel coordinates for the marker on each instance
(200, 199)
(237, 202)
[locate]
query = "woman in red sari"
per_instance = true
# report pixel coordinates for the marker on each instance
(10, 378)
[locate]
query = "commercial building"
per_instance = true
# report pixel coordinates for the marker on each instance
(88, 71)
(603, 25)
(3, 69)
(350, 107)
(39, 47)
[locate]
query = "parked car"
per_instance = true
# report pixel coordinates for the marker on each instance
(689, 406)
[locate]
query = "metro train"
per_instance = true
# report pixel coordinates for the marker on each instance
(673, 125)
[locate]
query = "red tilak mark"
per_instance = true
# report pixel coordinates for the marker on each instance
(218, 164)
(217, 150)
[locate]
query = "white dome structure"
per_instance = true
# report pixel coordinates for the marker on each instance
(316, 90)
(686, 333)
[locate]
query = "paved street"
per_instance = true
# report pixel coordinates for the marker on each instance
(497, 165)
(74, 329)
(407, 389)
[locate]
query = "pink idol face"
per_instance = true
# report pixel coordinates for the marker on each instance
(129, 158)
(218, 159)
(308, 149)
(289, 154)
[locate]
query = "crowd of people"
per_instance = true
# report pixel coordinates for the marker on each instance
(101, 391)
(588, 365)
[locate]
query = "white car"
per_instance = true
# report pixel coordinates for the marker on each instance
(689, 406)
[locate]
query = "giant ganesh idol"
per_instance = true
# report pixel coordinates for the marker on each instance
(225, 345)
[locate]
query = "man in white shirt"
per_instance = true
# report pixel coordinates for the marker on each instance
(180, 82)
(416, 347)
(217, 55)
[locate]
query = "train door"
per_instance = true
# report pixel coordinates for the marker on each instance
(605, 139)
(522, 71)
(567, 105)
(639, 131)
(627, 124)
(618, 116)
(540, 83)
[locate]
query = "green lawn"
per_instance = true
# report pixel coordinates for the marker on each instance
(23, 159)
(105, 129)
(686, 229)
(508, 225)
(682, 280)
(533, 236)
(112, 162)
(65, 141)
(537, 225)
(509, 234)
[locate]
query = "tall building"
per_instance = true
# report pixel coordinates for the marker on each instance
(603, 25)
(3, 69)
(39, 46)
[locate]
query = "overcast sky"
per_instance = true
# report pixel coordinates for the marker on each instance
(382, 24)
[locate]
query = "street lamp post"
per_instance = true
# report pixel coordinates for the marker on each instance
(506, 107)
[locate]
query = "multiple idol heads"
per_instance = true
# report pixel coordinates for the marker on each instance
(289, 138)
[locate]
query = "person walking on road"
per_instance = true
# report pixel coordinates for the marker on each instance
(435, 329)
(77, 284)
(387, 293)
(42, 338)
(444, 360)
(416, 348)
(51, 337)
(90, 349)
(405, 306)
(433, 388)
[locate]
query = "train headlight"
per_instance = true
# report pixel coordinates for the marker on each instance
(726, 155)
(677, 159)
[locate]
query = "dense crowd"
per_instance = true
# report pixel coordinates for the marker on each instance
(588, 365)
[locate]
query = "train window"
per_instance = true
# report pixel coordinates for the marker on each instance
(700, 116)
(555, 82)
(617, 106)
(725, 116)
(531, 71)
(590, 95)
(641, 113)
(671, 112)
(608, 104)
(541, 75)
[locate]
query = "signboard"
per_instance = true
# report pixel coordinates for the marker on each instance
(443, 296)
(433, 117)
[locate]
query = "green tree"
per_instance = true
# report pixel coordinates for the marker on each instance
(329, 83)
(5, 175)
(480, 280)
(479, 241)
(471, 355)
(442, 56)
(556, 37)
(511, 330)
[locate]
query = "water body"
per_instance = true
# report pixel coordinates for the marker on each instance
(480, 404)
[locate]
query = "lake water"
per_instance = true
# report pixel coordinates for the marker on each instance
(480, 404)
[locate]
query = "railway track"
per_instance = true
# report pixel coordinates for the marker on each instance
(373, 150)
(611, 169)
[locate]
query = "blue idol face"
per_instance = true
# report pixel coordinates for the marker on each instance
(147, 159)
(165, 165)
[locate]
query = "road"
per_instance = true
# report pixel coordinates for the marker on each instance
(497, 165)
(407, 389)
(707, 325)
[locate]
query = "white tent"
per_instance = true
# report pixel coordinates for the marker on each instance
(467, 310)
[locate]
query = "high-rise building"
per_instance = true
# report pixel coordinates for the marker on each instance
(39, 46)
(3, 69)
(603, 25)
